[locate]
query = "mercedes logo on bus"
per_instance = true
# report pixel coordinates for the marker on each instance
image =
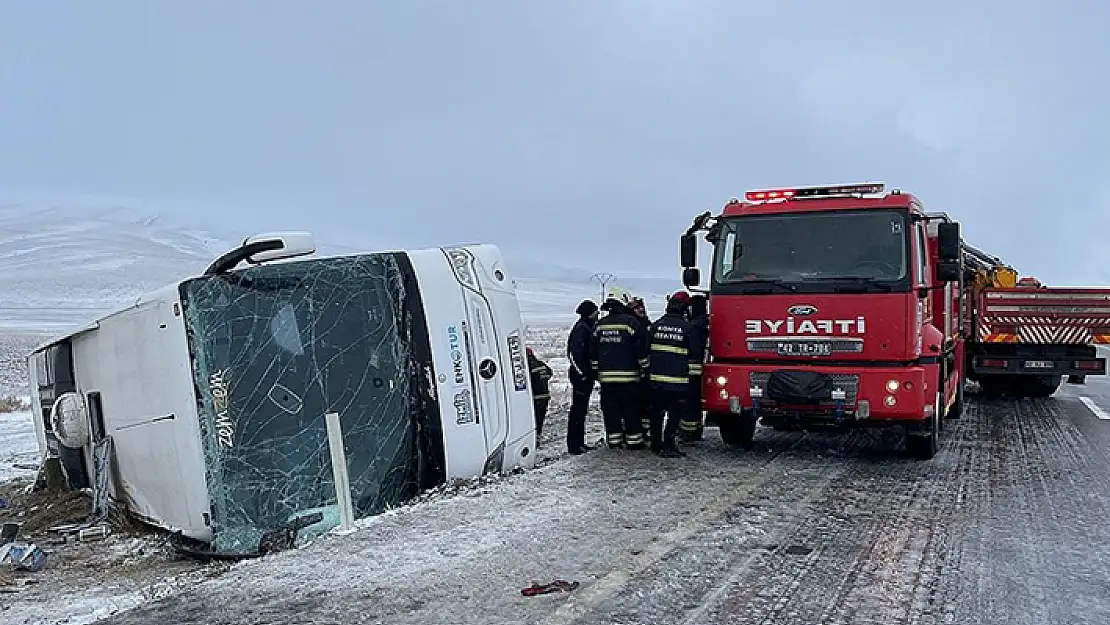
(487, 369)
(801, 310)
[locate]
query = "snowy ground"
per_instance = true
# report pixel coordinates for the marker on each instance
(18, 447)
(1004, 526)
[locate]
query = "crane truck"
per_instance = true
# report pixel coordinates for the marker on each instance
(844, 305)
(1026, 336)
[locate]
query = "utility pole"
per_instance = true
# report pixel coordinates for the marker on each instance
(603, 279)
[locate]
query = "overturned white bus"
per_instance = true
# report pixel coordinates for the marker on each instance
(214, 395)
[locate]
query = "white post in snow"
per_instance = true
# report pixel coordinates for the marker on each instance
(339, 470)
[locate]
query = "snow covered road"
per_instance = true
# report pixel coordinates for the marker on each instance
(1006, 525)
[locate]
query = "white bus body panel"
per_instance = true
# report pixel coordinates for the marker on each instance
(469, 324)
(138, 360)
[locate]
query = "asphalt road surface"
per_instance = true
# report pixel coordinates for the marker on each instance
(1009, 524)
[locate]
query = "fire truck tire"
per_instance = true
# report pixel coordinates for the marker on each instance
(993, 386)
(738, 430)
(713, 419)
(923, 444)
(1043, 386)
(1077, 379)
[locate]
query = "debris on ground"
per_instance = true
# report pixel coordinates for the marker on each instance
(51, 546)
(558, 585)
(37, 511)
(21, 556)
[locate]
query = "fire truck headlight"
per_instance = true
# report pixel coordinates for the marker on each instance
(892, 386)
(722, 380)
(889, 400)
(724, 393)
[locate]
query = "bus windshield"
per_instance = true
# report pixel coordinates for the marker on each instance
(274, 349)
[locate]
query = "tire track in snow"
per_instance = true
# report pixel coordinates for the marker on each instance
(878, 527)
(1035, 555)
(579, 605)
(870, 533)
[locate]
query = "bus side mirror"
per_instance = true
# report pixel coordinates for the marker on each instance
(688, 252)
(948, 241)
(691, 277)
(262, 248)
(948, 271)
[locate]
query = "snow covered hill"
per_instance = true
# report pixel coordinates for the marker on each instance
(60, 267)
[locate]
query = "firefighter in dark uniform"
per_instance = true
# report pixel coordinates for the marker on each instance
(620, 358)
(581, 374)
(541, 390)
(672, 350)
(639, 311)
(693, 427)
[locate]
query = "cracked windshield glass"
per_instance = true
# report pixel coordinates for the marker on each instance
(275, 349)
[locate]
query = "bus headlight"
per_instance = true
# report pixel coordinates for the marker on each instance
(462, 263)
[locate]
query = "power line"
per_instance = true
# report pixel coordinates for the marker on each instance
(603, 279)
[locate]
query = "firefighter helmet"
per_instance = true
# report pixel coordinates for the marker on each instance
(619, 294)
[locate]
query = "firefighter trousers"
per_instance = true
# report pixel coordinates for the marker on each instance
(620, 408)
(668, 407)
(581, 389)
(539, 410)
(692, 424)
(645, 409)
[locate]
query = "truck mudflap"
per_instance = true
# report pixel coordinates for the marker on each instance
(821, 394)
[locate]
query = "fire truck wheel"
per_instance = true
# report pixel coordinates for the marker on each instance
(924, 443)
(738, 430)
(1043, 386)
(992, 386)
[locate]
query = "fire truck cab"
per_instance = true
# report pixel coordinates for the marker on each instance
(837, 305)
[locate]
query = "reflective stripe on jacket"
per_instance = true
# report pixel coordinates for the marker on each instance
(673, 353)
(619, 349)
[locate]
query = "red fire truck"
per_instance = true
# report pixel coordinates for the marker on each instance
(847, 306)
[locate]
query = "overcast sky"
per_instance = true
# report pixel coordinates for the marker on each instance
(587, 132)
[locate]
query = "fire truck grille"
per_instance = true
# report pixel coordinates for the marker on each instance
(848, 383)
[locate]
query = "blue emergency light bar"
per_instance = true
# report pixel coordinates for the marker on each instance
(867, 188)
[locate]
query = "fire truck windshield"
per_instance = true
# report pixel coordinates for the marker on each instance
(815, 251)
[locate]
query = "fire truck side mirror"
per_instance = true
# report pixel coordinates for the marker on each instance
(691, 277)
(948, 271)
(688, 252)
(948, 241)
